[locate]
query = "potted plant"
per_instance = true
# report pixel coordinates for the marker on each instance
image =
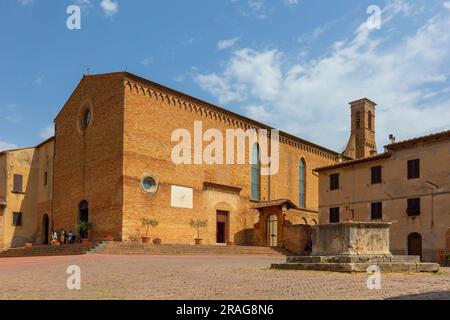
(83, 228)
(148, 223)
(197, 224)
(157, 241)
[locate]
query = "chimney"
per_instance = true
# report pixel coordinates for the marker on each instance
(362, 138)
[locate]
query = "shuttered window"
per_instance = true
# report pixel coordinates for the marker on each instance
(376, 175)
(334, 181)
(413, 207)
(414, 169)
(18, 183)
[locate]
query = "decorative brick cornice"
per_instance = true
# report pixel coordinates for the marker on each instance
(205, 110)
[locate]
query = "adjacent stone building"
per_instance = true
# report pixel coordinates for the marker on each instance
(408, 185)
(26, 195)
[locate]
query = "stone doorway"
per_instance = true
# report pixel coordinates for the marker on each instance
(415, 245)
(222, 227)
(272, 231)
(45, 229)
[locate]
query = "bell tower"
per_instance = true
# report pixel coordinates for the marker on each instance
(362, 139)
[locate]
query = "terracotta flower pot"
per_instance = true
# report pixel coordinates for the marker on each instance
(198, 242)
(157, 241)
(145, 239)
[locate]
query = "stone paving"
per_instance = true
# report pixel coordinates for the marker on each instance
(205, 277)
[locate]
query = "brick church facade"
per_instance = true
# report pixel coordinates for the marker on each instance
(112, 166)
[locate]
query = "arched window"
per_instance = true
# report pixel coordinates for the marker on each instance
(358, 119)
(255, 173)
(302, 184)
(369, 120)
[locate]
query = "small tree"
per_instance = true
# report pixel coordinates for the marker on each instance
(84, 226)
(148, 223)
(197, 224)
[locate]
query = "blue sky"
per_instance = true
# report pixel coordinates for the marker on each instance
(291, 64)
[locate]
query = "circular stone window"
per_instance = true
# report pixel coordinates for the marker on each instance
(149, 184)
(86, 118)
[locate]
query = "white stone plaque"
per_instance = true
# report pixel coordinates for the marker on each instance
(182, 197)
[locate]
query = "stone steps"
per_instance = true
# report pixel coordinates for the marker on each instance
(39, 251)
(386, 263)
(116, 248)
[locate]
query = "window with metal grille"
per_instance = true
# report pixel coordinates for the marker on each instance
(17, 219)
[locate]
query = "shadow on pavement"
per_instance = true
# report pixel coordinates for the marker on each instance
(436, 295)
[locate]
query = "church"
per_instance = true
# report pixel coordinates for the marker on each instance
(110, 163)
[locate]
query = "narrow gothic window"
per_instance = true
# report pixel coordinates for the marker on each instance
(86, 119)
(302, 184)
(255, 173)
(369, 120)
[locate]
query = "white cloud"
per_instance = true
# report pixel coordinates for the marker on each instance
(6, 146)
(86, 5)
(406, 78)
(25, 2)
(227, 43)
(447, 5)
(47, 132)
(291, 3)
(109, 7)
(147, 61)
(39, 80)
(252, 8)
(13, 119)
(247, 72)
(218, 87)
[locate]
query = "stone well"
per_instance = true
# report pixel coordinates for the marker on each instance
(353, 247)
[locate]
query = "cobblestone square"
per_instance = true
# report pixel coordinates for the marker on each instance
(201, 277)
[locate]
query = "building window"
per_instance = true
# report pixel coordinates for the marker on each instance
(17, 219)
(414, 169)
(334, 181)
(255, 173)
(86, 118)
(377, 211)
(18, 183)
(149, 184)
(45, 178)
(302, 184)
(358, 119)
(334, 215)
(413, 207)
(376, 175)
(369, 120)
